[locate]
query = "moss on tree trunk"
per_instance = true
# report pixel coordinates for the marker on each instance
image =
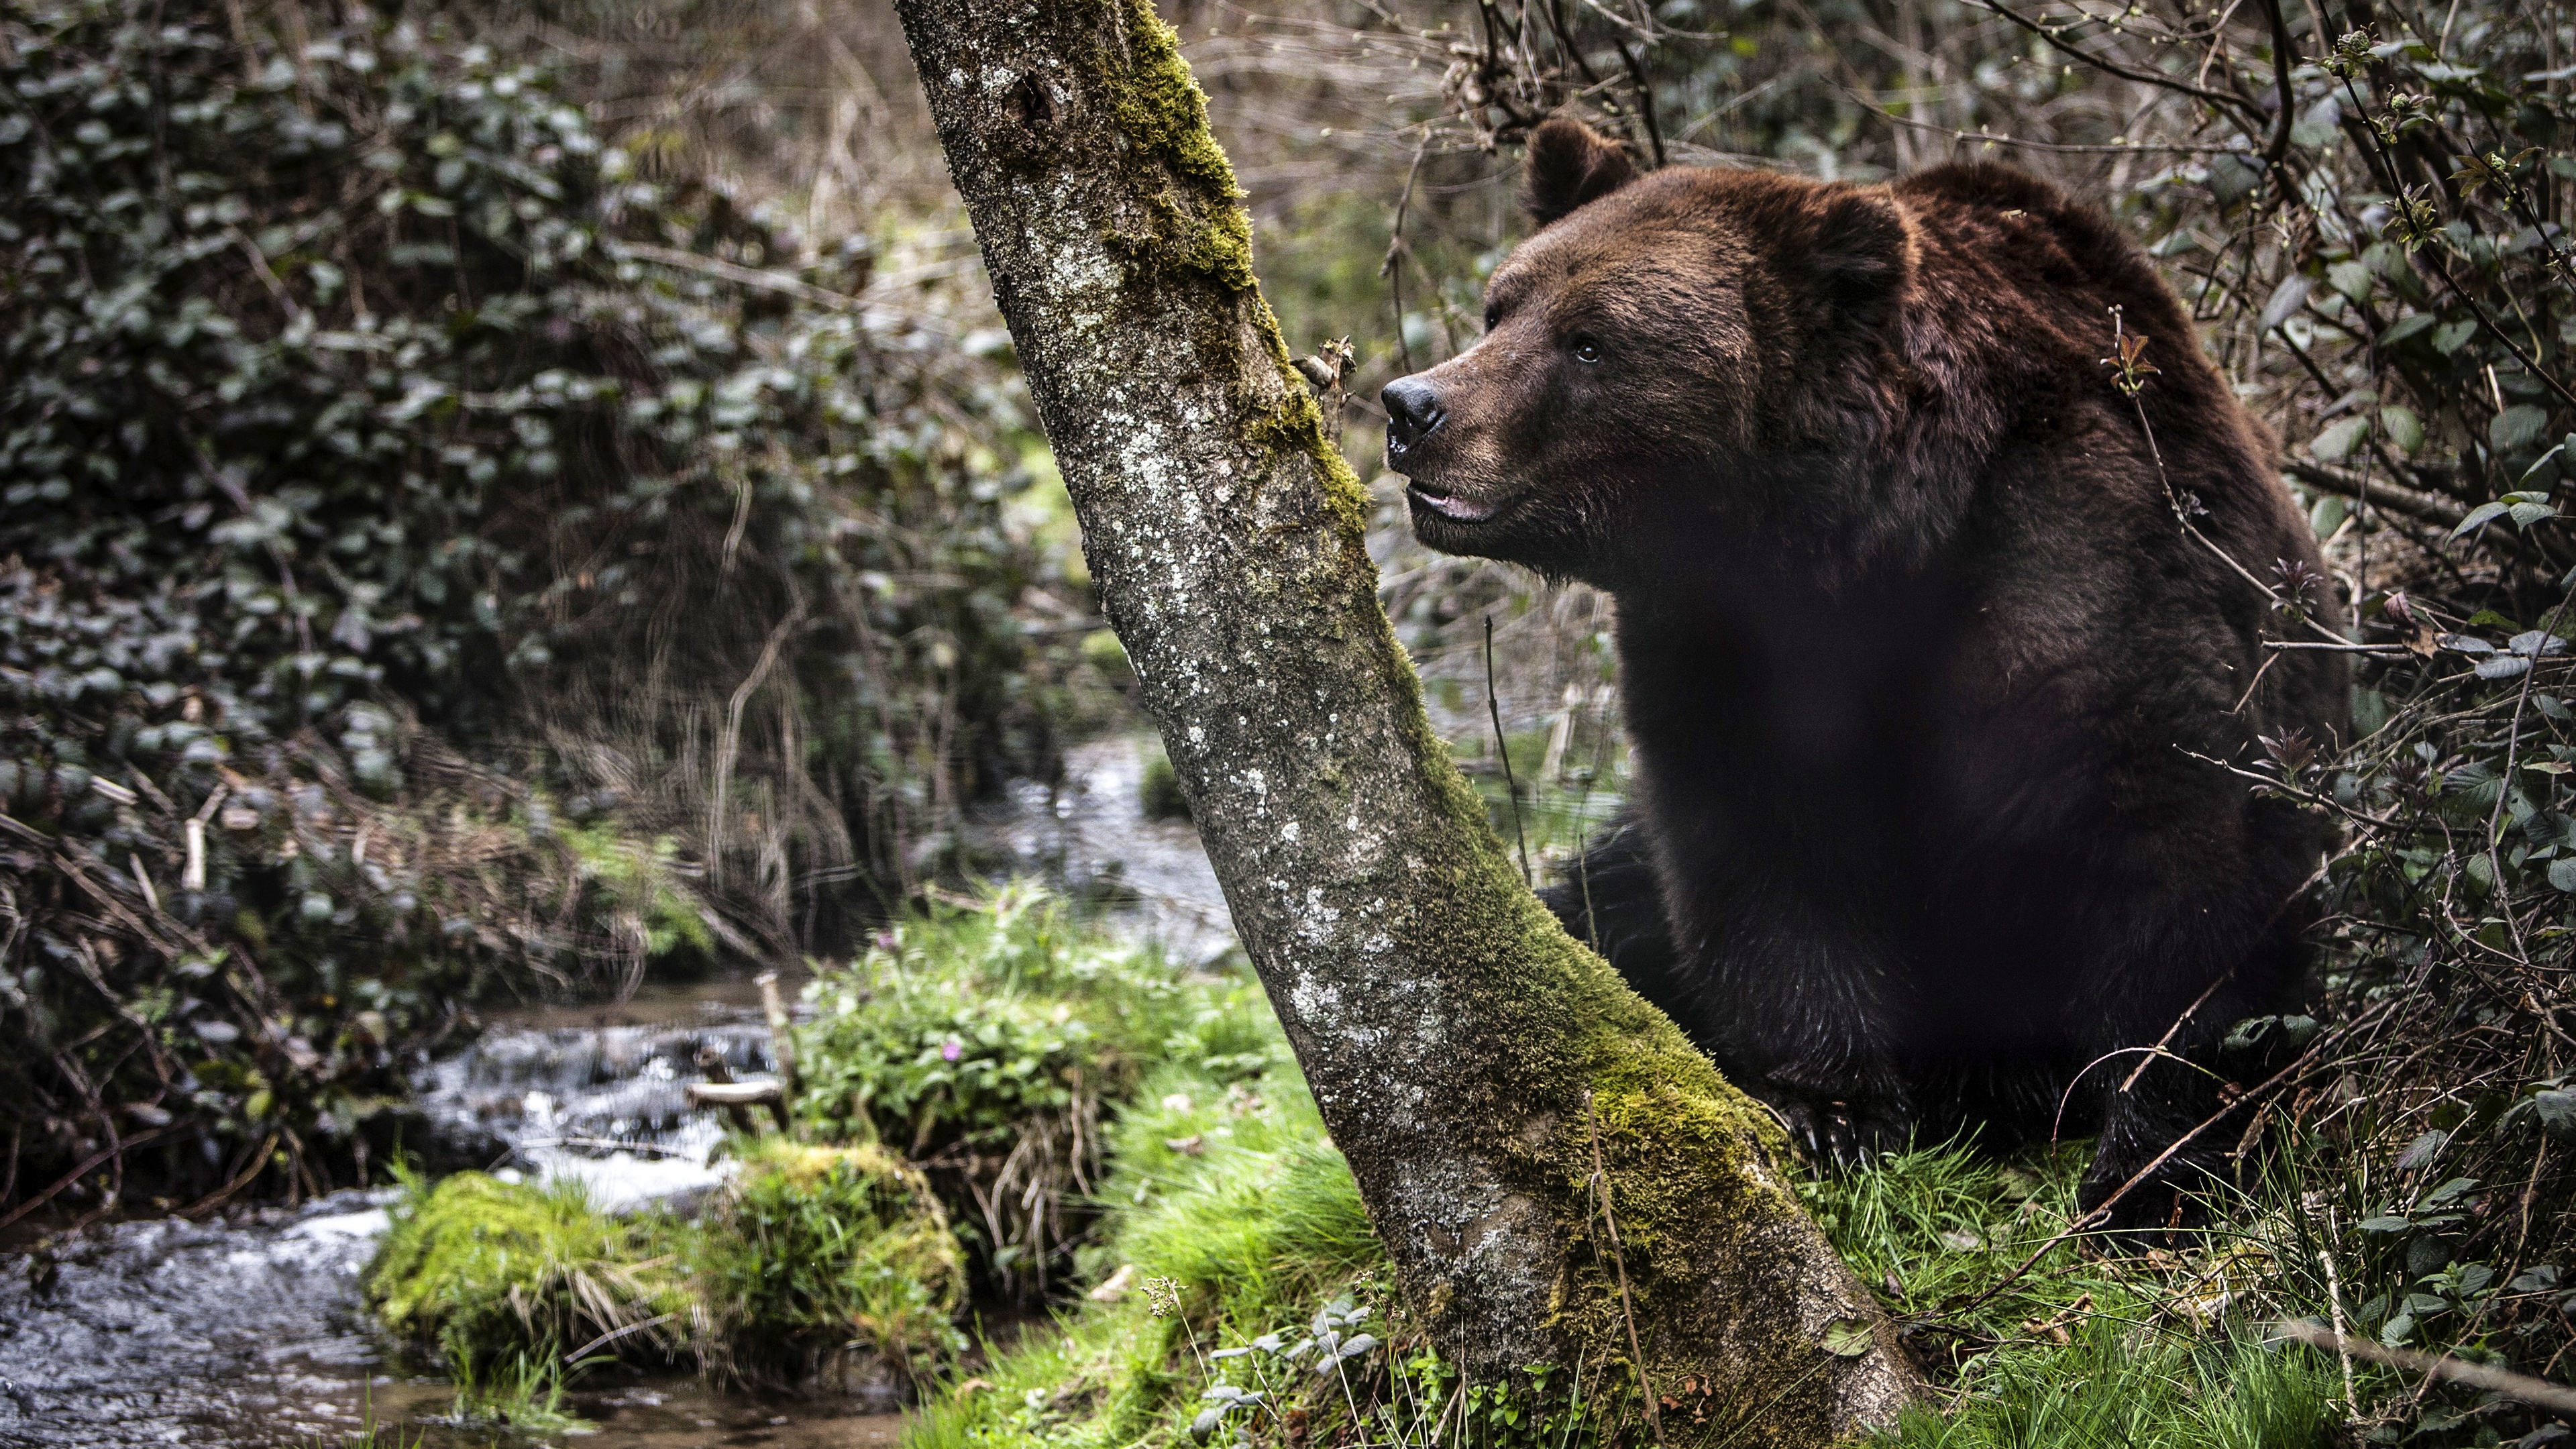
(1461, 1046)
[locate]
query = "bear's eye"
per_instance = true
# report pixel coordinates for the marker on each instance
(1586, 350)
(1492, 316)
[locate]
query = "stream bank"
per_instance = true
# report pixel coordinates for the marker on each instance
(247, 1332)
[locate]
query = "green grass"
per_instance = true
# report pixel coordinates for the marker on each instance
(817, 1247)
(2089, 1346)
(1231, 1196)
(1232, 1225)
(1230, 1204)
(503, 1281)
(992, 1037)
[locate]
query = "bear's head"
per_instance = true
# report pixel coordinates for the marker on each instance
(1658, 364)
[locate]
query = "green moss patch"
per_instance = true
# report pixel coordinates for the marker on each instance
(1161, 109)
(810, 1251)
(815, 1248)
(477, 1269)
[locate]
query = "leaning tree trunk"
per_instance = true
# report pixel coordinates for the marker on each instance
(1471, 1061)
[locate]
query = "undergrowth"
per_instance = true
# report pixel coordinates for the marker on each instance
(985, 1041)
(440, 552)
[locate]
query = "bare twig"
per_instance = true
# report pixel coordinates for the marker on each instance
(1619, 1264)
(2436, 1366)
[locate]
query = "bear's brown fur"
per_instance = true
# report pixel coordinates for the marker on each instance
(1927, 683)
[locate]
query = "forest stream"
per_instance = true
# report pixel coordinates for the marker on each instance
(247, 1331)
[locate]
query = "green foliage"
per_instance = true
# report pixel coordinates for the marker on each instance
(985, 1040)
(436, 553)
(2103, 1387)
(814, 1247)
(515, 1390)
(2086, 1344)
(809, 1251)
(1242, 1297)
(1230, 1215)
(494, 1275)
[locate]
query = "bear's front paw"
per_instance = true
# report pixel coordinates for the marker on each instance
(1843, 1133)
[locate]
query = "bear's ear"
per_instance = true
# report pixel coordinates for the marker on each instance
(1569, 164)
(1857, 252)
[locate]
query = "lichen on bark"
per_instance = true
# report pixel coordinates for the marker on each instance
(1461, 1046)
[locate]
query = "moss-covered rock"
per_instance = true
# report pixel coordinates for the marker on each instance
(815, 1250)
(478, 1269)
(833, 1261)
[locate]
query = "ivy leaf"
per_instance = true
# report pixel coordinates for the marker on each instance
(2516, 428)
(2339, 438)
(2286, 299)
(2556, 1112)
(2404, 428)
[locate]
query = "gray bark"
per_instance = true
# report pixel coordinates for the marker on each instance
(1462, 1048)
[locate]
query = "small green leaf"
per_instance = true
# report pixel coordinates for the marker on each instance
(2406, 327)
(2478, 516)
(2339, 438)
(2516, 428)
(2404, 428)
(2286, 299)
(1848, 1338)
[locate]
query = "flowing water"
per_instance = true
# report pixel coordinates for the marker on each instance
(247, 1333)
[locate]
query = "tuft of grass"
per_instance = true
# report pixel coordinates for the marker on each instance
(986, 1039)
(810, 1251)
(486, 1272)
(2090, 1345)
(516, 1388)
(1230, 1215)
(816, 1248)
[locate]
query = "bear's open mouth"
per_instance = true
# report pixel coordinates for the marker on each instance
(1447, 504)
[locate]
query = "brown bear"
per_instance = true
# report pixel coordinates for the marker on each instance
(1938, 632)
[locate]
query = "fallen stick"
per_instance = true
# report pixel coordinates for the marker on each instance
(2436, 1365)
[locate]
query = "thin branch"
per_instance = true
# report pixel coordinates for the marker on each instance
(2437, 1366)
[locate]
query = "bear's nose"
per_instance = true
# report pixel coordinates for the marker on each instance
(1412, 409)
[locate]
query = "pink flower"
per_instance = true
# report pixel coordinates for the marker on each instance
(950, 1050)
